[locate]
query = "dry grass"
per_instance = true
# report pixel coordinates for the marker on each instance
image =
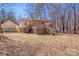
(32, 44)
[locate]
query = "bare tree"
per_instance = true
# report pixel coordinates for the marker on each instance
(54, 14)
(38, 11)
(30, 11)
(74, 8)
(74, 13)
(6, 14)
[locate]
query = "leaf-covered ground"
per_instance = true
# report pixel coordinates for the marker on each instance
(18, 44)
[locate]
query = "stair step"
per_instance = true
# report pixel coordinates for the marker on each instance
(51, 29)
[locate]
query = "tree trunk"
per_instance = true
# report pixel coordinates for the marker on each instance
(74, 18)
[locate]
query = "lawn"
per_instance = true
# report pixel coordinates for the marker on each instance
(32, 37)
(27, 36)
(33, 44)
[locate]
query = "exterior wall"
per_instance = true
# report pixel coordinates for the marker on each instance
(25, 22)
(9, 26)
(35, 26)
(39, 29)
(33, 22)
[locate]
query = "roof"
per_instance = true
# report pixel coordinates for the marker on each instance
(33, 20)
(9, 22)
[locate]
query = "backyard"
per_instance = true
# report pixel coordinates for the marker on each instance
(33, 44)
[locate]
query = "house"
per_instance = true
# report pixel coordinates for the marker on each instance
(9, 26)
(24, 22)
(34, 26)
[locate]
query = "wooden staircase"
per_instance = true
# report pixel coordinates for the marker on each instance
(50, 30)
